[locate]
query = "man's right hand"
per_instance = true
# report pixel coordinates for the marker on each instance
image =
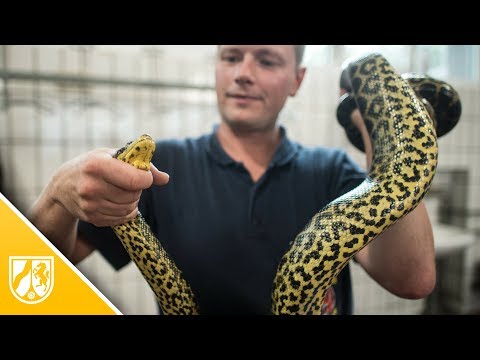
(101, 190)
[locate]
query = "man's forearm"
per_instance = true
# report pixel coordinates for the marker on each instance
(402, 259)
(55, 222)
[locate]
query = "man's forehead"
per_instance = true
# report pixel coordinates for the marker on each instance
(278, 49)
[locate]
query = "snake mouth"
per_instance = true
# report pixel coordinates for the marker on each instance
(139, 152)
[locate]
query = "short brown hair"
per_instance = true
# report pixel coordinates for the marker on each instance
(299, 51)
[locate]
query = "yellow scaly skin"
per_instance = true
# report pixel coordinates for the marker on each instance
(404, 163)
(172, 291)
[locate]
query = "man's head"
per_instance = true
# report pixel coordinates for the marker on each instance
(253, 82)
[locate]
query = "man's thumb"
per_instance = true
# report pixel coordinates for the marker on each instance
(159, 177)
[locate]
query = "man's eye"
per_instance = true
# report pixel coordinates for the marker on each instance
(230, 58)
(266, 62)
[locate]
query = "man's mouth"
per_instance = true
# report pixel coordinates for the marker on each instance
(240, 96)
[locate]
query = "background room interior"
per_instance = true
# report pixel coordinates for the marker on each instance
(59, 101)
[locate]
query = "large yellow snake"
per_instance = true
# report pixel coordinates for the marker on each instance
(173, 293)
(404, 162)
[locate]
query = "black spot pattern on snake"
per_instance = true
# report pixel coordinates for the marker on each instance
(404, 162)
(404, 139)
(173, 293)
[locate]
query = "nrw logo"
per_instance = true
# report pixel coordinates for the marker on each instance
(31, 278)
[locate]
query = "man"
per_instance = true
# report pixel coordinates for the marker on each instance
(236, 197)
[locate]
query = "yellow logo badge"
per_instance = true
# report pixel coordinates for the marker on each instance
(31, 278)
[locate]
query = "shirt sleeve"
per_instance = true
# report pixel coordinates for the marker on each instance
(348, 175)
(105, 241)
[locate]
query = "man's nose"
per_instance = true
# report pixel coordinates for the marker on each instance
(245, 72)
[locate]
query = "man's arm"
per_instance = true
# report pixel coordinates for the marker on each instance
(401, 259)
(93, 187)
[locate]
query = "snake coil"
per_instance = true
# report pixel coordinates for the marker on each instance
(404, 146)
(440, 98)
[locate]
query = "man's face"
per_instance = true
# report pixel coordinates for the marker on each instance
(253, 83)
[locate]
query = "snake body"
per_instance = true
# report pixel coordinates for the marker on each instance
(404, 161)
(440, 98)
(173, 293)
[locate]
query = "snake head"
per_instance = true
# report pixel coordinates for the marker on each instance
(137, 153)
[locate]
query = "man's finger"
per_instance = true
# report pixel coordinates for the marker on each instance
(159, 177)
(125, 176)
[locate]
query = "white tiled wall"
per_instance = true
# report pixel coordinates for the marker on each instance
(48, 124)
(126, 289)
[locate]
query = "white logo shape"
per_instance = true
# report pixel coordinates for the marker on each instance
(31, 278)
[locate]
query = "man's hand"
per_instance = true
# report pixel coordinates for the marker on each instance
(358, 121)
(101, 190)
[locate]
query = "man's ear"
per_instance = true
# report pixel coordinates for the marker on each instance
(298, 80)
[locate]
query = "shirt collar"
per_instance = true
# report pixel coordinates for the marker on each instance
(284, 154)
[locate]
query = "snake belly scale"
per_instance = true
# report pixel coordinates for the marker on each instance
(173, 293)
(404, 144)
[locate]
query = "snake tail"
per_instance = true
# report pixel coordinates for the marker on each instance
(404, 144)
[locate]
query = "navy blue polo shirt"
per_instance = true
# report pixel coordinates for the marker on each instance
(227, 233)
